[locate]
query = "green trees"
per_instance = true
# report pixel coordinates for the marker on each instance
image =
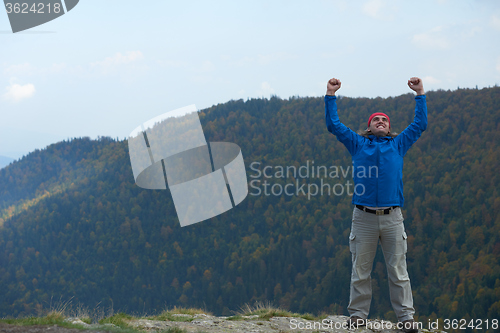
(74, 223)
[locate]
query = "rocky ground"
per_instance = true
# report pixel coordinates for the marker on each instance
(210, 324)
(6, 328)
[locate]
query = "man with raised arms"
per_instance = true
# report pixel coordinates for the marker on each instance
(377, 214)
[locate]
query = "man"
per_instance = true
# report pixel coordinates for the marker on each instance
(377, 156)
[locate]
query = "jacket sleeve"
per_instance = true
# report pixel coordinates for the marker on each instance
(334, 126)
(411, 134)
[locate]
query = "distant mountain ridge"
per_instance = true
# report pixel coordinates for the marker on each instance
(4, 161)
(75, 224)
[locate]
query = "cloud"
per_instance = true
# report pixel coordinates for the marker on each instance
(340, 4)
(378, 9)
(372, 8)
(19, 70)
(498, 64)
(432, 39)
(472, 32)
(346, 50)
(202, 79)
(16, 92)
(26, 69)
(245, 61)
(430, 80)
(274, 57)
(172, 63)
(207, 66)
(264, 59)
(118, 60)
(495, 22)
(265, 89)
(55, 68)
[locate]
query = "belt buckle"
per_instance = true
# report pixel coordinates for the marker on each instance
(379, 212)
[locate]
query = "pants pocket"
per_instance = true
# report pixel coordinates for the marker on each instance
(352, 243)
(398, 215)
(405, 243)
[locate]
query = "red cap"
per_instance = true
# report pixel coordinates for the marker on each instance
(379, 114)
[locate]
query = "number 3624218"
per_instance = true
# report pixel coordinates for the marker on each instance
(477, 324)
(36, 8)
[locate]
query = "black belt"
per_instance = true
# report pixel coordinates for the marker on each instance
(377, 211)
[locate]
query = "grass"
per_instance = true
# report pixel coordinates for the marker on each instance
(170, 314)
(53, 318)
(60, 311)
(166, 316)
(57, 319)
(188, 311)
(119, 319)
(267, 311)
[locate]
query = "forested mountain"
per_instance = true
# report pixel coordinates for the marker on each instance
(74, 224)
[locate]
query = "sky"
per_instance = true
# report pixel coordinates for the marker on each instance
(106, 67)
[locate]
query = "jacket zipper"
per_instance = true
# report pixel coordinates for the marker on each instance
(378, 167)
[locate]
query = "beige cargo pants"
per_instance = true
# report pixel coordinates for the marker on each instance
(367, 229)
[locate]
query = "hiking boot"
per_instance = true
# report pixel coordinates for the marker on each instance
(410, 326)
(355, 321)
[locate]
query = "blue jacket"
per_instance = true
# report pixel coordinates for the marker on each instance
(377, 161)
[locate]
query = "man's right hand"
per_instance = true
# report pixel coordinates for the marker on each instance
(332, 86)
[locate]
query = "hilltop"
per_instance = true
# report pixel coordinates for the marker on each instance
(74, 224)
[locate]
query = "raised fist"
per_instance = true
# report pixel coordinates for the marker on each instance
(332, 86)
(417, 85)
